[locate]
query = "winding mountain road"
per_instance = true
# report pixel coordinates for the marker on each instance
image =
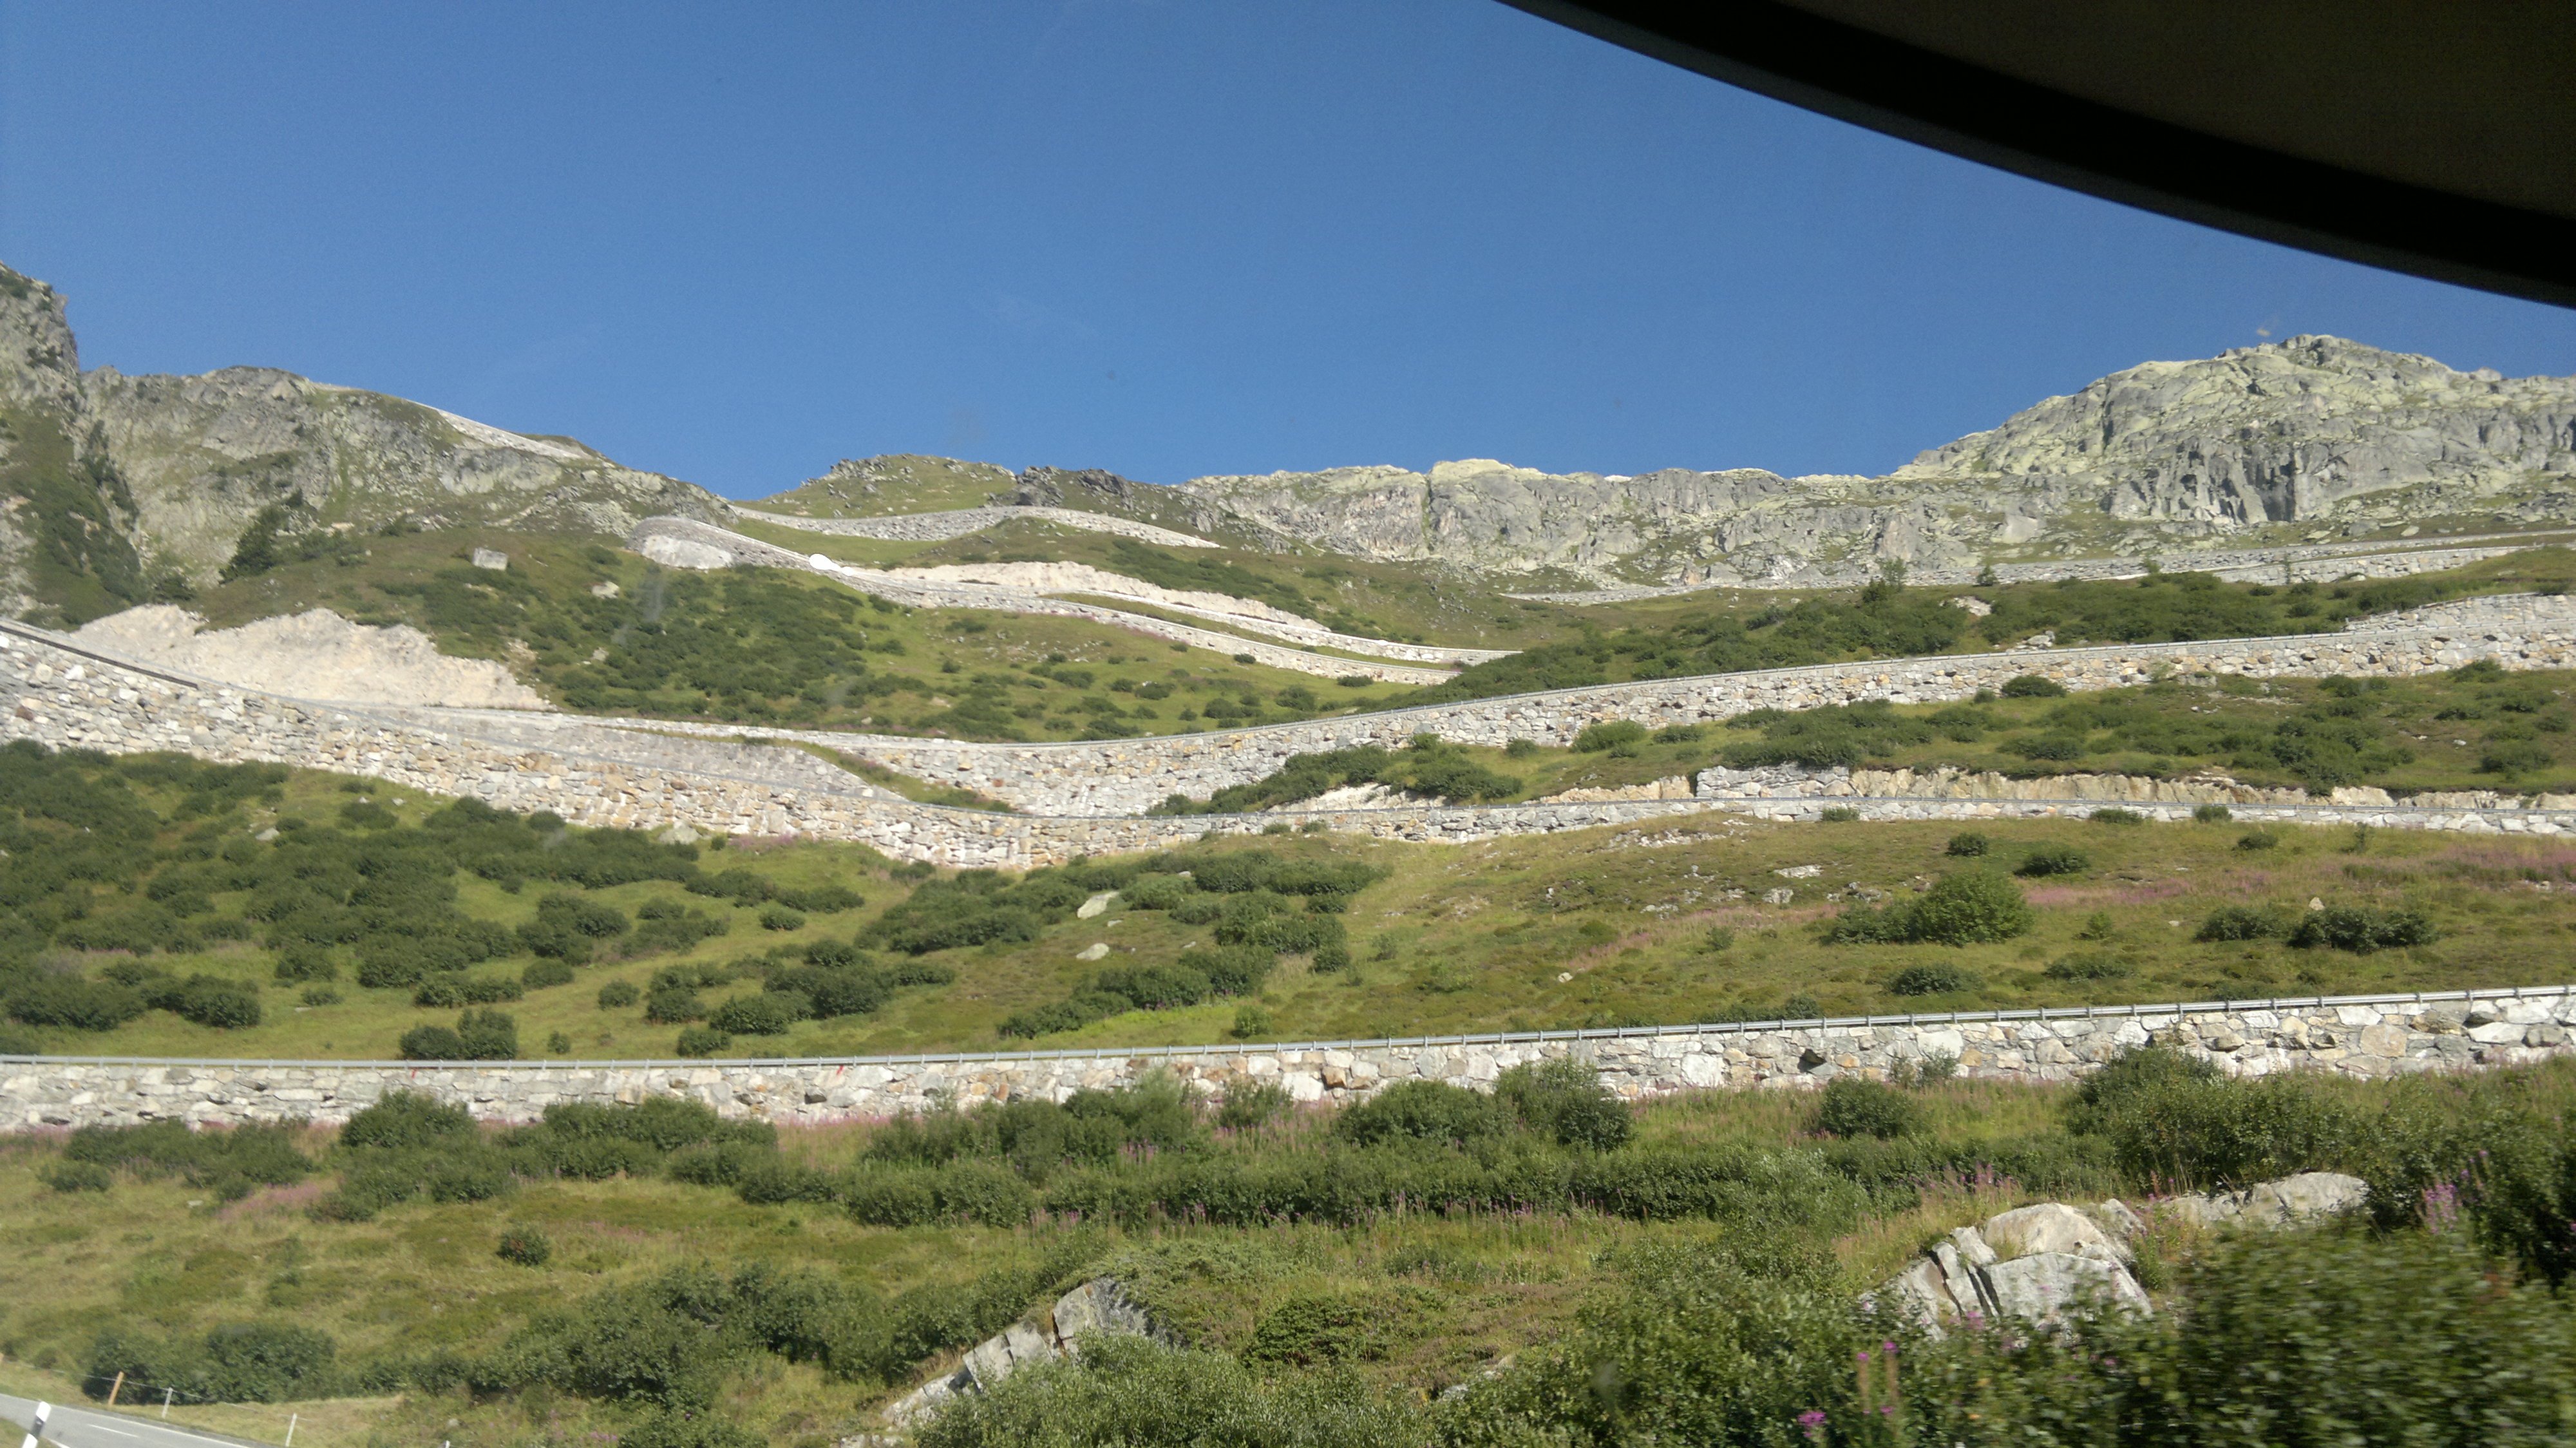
(73, 1427)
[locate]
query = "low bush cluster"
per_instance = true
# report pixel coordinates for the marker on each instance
(229, 1164)
(1261, 905)
(132, 854)
(409, 1146)
(1961, 908)
(1429, 766)
(242, 1362)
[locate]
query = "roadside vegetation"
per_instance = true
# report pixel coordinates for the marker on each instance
(603, 631)
(160, 906)
(1886, 619)
(1436, 1266)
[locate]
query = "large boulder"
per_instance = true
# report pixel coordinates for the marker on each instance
(2045, 1287)
(1099, 1306)
(2050, 1227)
(2301, 1198)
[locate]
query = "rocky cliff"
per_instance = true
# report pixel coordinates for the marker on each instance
(2310, 429)
(2299, 438)
(110, 483)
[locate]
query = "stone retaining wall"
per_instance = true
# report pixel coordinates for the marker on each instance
(684, 543)
(62, 696)
(2360, 1036)
(1127, 776)
(2322, 562)
(957, 523)
(1782, 782)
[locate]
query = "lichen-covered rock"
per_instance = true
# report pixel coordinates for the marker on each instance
(2297, 1198)
(1097, 1307)
(2050, 1227)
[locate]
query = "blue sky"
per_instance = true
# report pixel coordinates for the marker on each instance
(733, 243)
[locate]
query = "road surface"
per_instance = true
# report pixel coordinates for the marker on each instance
(77, 1427)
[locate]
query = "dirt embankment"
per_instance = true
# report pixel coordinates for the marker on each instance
(315, 655)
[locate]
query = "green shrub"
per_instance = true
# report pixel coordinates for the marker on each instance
(1750, 1345)
(1142, 1394)
(1250, 1023)
(77, 1176)
(1968, 844)
(1319, 1329)
(2032, 686)
(1608, 734)
(1932, 978)
(2363, 930)
(701, 1041)
(770, 1013)
(542, 974)
(456, 988)
(2212, 814)
(672, 1004)
(2246, 922)
(1154, 987)
(304, 961)
(2116, 816)
(211, 1001)
(1838, 814)
(71, 1003)
(2173, 1121)
(525, 1246)
(2257, 840)
(1563, 1099)
(618, 995)
(242, 1362)
(1851, 1106)
(1249, 1104)
(689, 1428)
(405, 1120)
(1422, 1111)
(478, 1036)
(319, 995)
(1962, 908)
(568, 927)
(2045, 860)
(780, 918)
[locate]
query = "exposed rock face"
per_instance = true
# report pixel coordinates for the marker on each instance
(314, 655)
(2040, 1263)
(179, 466)
(1099, 1306)
(1491, 517)
(2313, 430)
(2309, 428)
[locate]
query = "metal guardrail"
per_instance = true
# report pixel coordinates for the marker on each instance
(1490, 1038)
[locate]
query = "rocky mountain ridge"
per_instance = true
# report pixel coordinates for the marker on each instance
(2304, 437)
(115, 487)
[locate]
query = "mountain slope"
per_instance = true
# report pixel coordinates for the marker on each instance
(2309, 429)
(2251, 445)
(121, 487)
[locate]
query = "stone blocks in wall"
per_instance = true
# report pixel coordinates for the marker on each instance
(2361, 1037)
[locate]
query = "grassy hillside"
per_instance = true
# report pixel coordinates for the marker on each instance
(163, 907)
(2474, 728)
(1570, 1266)
(604, 631)
(883, 486)
(72, 511)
